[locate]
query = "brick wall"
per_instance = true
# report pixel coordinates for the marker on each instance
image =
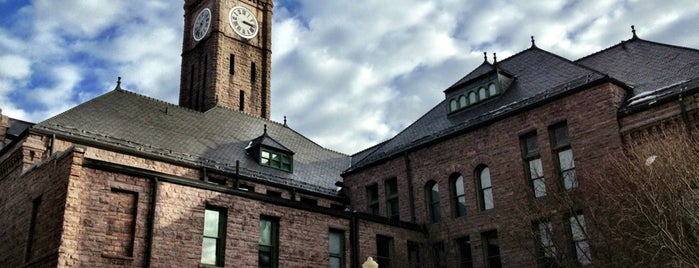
(591, 116)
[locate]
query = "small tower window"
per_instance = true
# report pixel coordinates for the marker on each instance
(453, 105)
(253, 72)
(492, 89)
(462, 101)
(472, 97)
(481, 93)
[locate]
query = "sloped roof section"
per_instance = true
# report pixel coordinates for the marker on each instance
(540, 76)
(644, 65)
(214, 139)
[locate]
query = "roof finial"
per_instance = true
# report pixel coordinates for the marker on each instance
(285, 120)
(118, 86)
(485, 56)
(265, 129)
(633, 31)
(533, 41)
(495, 58)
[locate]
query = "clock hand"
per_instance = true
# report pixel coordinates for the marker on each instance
(248, 24)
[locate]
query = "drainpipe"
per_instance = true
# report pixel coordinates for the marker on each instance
(151, 221)
(354, 240)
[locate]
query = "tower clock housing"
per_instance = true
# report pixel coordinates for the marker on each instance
(226, 55)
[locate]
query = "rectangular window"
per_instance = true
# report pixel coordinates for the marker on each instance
(121, 223)
(439, 255)
(268, 254)
(465, 256)
(36, 203)
(276, 160)
(392, 208)
(532, 162)
(384, 251)
(372, 197)
(562, 151)
(547, 248)
(337, 249)
(212, 249)
(414, 260)
(309, 201)
(241, 101)
(491, 249)
(580, 244)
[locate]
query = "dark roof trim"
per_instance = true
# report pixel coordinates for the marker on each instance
(674, 93)
(112, 167)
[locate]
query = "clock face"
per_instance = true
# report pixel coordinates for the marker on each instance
(201, 24)
(243, 22)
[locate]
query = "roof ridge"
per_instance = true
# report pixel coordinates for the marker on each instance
(151, 98)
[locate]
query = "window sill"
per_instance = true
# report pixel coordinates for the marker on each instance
(201, 265)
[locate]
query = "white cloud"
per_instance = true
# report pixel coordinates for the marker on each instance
(14, 67)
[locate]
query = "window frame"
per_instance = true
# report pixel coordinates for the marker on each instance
(560, 143)
(488, 258)
(482, 204)
(547, 250)
(581, 242)
(433, 202)
(385, 261)
(273, 248)
(465, 253)
(276, 160)
(220, 239)
(337, 255)
(531, 152)
(392, 201)
(373, 203)
(456, 198)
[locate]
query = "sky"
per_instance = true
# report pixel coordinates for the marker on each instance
(346, 74)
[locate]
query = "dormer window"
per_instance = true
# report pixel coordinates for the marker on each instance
(268, 152)
(276, 160)
(473, 96)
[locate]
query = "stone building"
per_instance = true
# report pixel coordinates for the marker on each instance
(127, 180)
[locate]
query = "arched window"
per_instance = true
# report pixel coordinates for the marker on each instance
(462, 101)
(485, 188)
(453, 105)
(432, 191)
(458, 195)
(492, 89)
(481, 93)
(472, 97)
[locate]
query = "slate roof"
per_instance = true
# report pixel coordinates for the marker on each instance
(653, 70)
(214, 139)
(538, 77)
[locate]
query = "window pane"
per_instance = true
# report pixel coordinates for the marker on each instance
(462, 206)
(577, 227)
(265, 154)
(485, 178)
(488, 199)
(208, 251)
(535, 168)
(434, 193)
(472, 97)
(481, 93)
(453, 105)
(462, 101)
(335, 262)
(492, 89)
(582, 249)
(336, 243)
(539, 187)
(459, 186)
(570, 180)
(211, 223)
(566, 159)
(265, 233)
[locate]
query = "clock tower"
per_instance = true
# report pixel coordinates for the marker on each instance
(226, 55)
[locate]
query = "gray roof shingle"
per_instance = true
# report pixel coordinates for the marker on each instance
(215, 139)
